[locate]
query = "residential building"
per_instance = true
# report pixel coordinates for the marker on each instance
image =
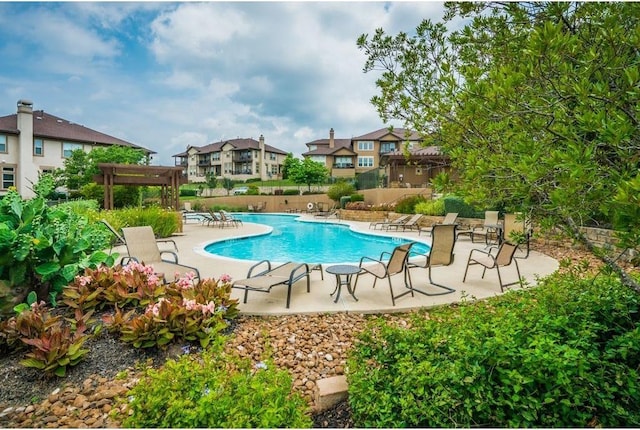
(33, 142)
(238, 159)
(397, 154)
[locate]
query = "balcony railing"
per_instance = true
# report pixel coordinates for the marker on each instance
(242, 158)
(343, 166)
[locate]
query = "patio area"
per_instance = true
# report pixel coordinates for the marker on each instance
(195, 237)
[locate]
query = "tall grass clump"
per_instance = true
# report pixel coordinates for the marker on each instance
(163, 222)
(565, 354)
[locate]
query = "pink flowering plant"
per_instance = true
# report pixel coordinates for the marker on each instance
(123, 286)
(192, 312)
(149, 313)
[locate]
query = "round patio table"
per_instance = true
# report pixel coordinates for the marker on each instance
(343, 273)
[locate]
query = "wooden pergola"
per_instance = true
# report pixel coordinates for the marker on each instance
(168, 179)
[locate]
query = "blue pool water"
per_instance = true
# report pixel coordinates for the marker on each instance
(310, 242)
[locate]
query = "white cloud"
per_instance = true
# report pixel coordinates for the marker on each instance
(164, 75)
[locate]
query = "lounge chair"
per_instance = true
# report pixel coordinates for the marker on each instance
(412, 223)
(503, 257)
(490, 227)
(381, 269)
(142, 247)
(226, 217)
(401, 222)
(267, 277)
(441, 254)
(449, 218)
(384, 224)
(520, 226)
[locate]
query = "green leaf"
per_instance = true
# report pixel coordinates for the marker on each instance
(47, 270)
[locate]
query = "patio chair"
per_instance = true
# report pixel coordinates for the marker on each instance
(384, 224)
(268, 277)
(142, 247)
(502, 258)
(380, 269)
(449, 218)
(120, 240)
(490, 227)
(519, 225)
(441, 254)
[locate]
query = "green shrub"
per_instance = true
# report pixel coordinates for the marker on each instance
(217, 390)
(291, 192)
(123, 196)
(432, 207)
(407, 204)
(457, 205)
(340, 189)
(186, 192)
(565, 354)
(357, 197)
(42, 248)
(253, 190)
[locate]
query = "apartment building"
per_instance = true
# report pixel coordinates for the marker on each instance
(397, 154)
(33, 142)
(237, 159)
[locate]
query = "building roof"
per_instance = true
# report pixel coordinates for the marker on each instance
(397, 132)
(322, 146)
(50, 126)
(238, 144)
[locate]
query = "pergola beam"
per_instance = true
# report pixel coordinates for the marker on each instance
(168, 178)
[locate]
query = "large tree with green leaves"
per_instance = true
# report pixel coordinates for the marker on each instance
(536, 103)
(81, 166)
(306, 172)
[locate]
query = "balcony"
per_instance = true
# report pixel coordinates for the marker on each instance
(242, 158)
(343, 166)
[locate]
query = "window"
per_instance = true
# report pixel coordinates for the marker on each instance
(387, 147)
(272, 156)
(38, 147)
(365, 145)
(319, 159)
(342, 162)
(365, 161)
(3, 143)
(274, 169)
(68, 148)
(8, 177)
(215, 156)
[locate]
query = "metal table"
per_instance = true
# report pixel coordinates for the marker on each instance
(343, 273)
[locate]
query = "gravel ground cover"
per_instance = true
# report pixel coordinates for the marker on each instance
(311, 347)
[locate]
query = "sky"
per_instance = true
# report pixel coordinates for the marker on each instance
(167, 75)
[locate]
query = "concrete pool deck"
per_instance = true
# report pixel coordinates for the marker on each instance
(196, 236)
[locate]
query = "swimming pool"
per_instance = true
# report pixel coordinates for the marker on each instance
(310, 242)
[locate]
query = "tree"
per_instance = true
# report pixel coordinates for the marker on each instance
(538, 103)
(81, 166)
(307, 172)
(212, 181)
(288, 163)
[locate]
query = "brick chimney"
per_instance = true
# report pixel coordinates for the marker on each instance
(27, 171)
(332, 143)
